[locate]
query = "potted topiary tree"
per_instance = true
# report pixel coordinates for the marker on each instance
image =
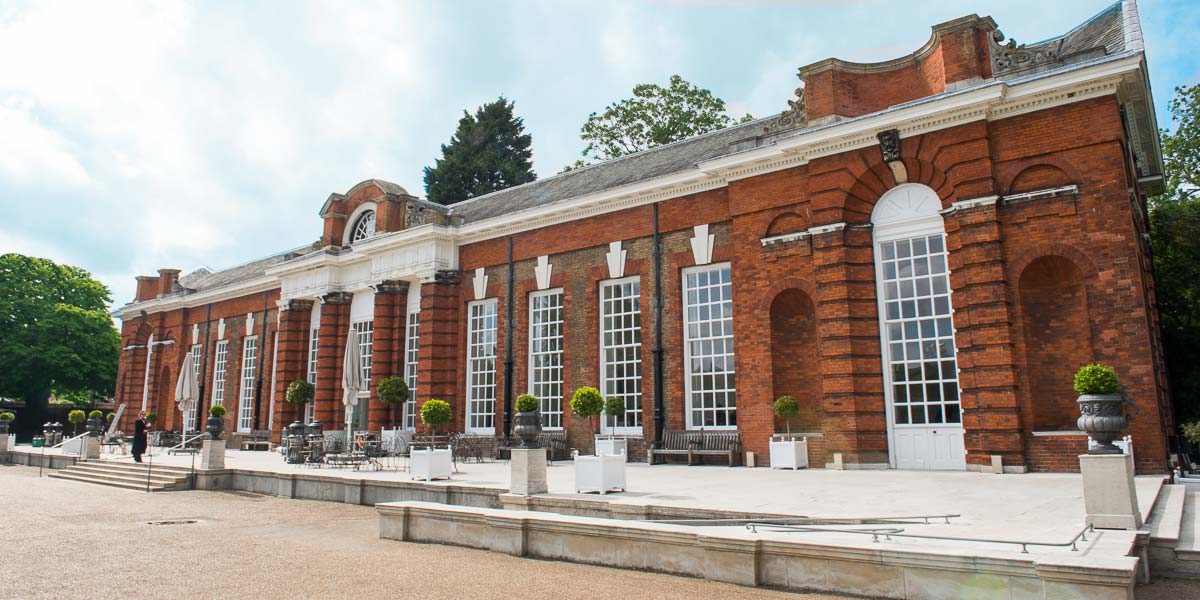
(599, 472)
(215, 421)
(432, 463)
(76, 418)
(1101, 407)
(299, 393)
(611, 443)
(393, 392)
(786, 452)
(587, 403)
(6, 443)
(529, 423)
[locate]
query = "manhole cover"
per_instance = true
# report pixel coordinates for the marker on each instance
(173, 522)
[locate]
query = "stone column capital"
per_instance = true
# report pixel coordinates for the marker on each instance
(337, 298)
(392, 286)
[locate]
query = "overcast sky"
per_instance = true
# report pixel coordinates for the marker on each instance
(135, 136)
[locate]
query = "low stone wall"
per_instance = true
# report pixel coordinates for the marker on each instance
(745, 559)
(36, 459)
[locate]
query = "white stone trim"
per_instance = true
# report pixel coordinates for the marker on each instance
(970, 203)
(702, 244)
(352, 221)
(1041, 194)
(195, 333)
(1057, 433)
(616, 260)
(784, 238)
(479, 283)
(221, 329)
(832, 227)
(249, 323)
(543, 271)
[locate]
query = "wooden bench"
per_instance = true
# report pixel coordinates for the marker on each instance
(695, 444)
(259, 440)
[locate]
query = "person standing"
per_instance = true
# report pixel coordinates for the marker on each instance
(139, 436)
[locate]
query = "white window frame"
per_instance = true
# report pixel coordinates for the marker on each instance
(551, 404)
(481, 405)
(314, 344)
(919, 229)
(608, 385)
(689, 390)
(220, 364)
(189, 418)
(412, 346)
(365, 328)
(249, 373)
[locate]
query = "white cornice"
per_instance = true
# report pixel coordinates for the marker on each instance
(243, 288)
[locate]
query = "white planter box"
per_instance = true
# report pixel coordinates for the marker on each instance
(72, 446)
(431, 464)
(789, 453)
(612, 446)
(602, 473)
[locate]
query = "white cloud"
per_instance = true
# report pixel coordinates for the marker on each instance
(33, 152)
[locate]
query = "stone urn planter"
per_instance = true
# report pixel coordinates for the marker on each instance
(529, 422)
(215, 426)
(94, 428)
(4, 425)
(1101, 407)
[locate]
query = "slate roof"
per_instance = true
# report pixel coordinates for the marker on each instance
(203, 279)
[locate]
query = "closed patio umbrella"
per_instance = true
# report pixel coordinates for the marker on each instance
(352, 381)
(187, 389)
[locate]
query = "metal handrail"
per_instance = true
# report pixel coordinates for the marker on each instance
(187, 441)
(891, 533)
(804, 520)
(70, 439)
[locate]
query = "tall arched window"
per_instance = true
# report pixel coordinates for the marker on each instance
(916, 324)
(364, 227)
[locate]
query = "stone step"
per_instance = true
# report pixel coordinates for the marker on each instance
(1166, 518)
(117, 484)
(133, 467)
(154, 476)
(1174, 545)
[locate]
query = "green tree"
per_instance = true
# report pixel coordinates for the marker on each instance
(652, 117)
(55, 333)
(490, 151)
(1175, 244)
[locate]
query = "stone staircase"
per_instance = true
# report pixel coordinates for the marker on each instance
(126, 475)
(1174, 549)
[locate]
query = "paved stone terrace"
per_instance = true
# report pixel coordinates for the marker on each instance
(1035, 507)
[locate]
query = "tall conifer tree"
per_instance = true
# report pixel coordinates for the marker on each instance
(490, 151)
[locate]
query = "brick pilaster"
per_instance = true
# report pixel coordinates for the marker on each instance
(387, 352)
(983, 334)
(335, 325)
(291, 363)
(437, 357)
(848, 330)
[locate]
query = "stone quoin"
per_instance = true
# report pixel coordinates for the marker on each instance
(921, 251)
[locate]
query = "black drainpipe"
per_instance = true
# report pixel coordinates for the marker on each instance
(200, 419)
(261, 352)
(508, 346)
(659, 413)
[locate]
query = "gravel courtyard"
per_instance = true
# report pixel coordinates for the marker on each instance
(69, 540)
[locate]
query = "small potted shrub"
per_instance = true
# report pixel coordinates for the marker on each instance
(587, 403)
(110, 417)
(393, 392)
(433, 463)
(299, 392)
(94, 428)
(1101, 407)
(786, 452)
(5, 419)
(76, 418)
(215, 421)
(612, 444)
(152, 417)
(529, 422)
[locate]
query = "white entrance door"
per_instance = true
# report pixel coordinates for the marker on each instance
(917, 331)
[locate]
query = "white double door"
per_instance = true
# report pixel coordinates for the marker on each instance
(931, 447)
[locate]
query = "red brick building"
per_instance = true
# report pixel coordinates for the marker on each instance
(921, 251)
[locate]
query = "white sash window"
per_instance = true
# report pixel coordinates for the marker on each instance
(546, 354)
(621, 351)
(249, 372)
(481, 366)
(708, 347)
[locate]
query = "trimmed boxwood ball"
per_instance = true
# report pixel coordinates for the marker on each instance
(109, 417)
(1096, 379)
(527, 403)
(587, 402)
(787, 408)
(299, 392)
(392, 390)
(95, 414)
(152, 417)
(7, 416)
(216, 411)
(614, 406)
(435, 413)
(1191, 431)
(76, 417)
